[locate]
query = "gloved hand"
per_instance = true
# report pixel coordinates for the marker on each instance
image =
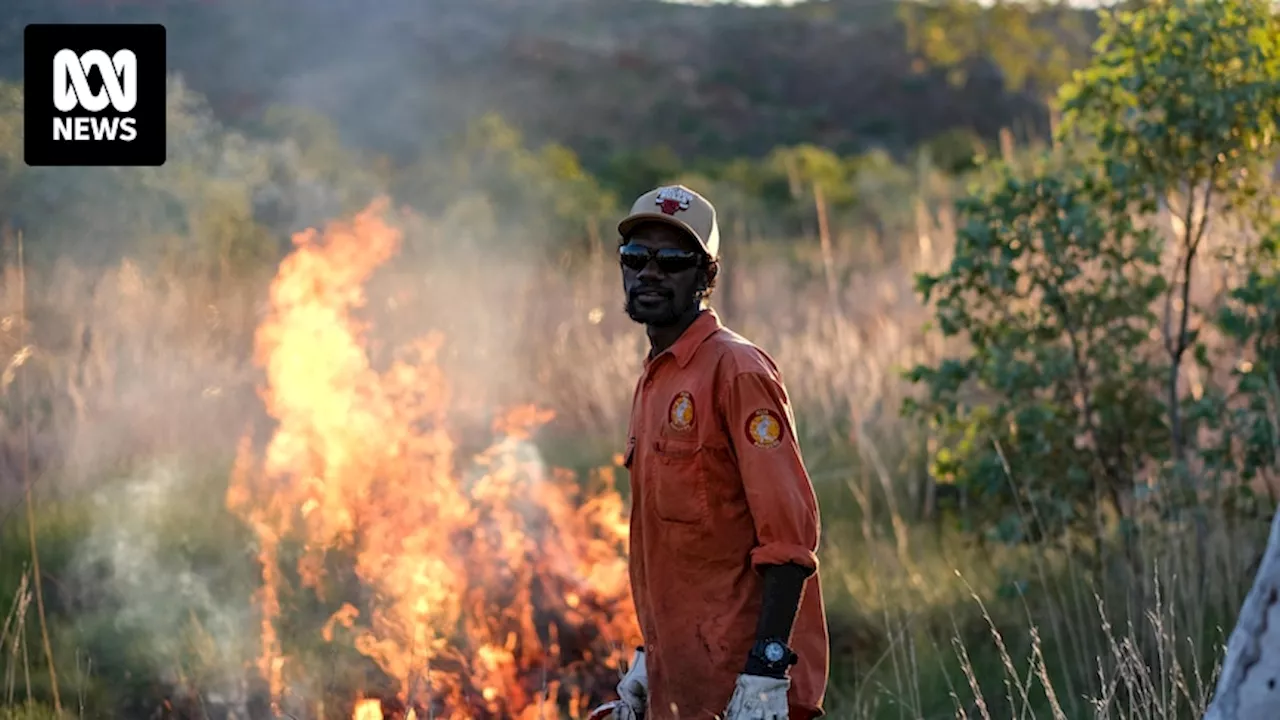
(758, 698)
(633, 690)
(607, 711)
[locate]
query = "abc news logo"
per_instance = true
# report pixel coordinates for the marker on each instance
(94, 95)
(71, 90)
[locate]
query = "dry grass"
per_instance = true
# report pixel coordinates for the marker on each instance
(133, 364)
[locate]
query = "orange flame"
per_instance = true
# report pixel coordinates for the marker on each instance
(481, 594)
(368, 710)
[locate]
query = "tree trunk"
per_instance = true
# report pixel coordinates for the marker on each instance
(1249, 686)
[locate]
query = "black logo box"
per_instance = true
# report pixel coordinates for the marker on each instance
(148, 43)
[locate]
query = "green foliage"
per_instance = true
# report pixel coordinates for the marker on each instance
(537, 196)
(153, 589)
(955, 151)
(1052, 289)
(203, 200)
(1035, 45)
(634, 172)
(1063, 401)
(1182, 102)
(225, 202)
(1182, 93)
(1248, 418)
(806, 167)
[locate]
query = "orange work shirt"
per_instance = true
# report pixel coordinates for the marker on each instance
(718, 489)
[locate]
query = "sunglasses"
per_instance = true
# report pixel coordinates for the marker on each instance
(670, 260)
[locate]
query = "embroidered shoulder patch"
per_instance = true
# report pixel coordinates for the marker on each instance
(764, 430)
(681, 412)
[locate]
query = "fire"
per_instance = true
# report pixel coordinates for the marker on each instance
(493, 591)
(368, 710)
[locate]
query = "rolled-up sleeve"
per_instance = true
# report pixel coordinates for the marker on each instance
(779, 492)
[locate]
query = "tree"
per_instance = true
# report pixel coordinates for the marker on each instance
(1062, 404)
(1035, 45)
(1183, 101)
(542, 198)
(1051, 287)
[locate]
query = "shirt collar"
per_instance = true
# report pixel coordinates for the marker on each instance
(706, 324)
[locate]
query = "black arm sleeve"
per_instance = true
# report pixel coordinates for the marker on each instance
(783, 586)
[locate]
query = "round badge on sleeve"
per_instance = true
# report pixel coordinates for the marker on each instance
(764, 429)
(681, 412)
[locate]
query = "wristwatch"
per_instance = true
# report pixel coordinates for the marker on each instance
(773, 656)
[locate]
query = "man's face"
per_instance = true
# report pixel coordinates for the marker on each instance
(663, 290)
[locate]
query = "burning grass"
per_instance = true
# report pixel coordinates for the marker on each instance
(494, 590)
(408, 573)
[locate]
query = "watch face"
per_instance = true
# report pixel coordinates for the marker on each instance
(774, 652)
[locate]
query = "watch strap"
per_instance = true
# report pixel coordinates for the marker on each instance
(759, 662)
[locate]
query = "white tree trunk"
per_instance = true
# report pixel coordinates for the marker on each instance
(1249, 686)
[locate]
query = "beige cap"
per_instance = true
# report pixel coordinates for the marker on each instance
(681, 207)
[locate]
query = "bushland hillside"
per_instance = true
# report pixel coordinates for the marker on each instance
(604, 77)
(321, 419)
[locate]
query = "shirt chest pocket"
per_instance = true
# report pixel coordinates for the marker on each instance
(679, 481)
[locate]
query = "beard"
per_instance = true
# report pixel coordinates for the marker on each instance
(665, 313)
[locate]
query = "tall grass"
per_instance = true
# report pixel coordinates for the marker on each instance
(134, 364)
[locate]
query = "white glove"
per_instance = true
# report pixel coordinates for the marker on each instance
(633, 690)
(758, 698)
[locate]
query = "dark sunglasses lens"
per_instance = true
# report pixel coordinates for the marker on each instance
(670, 260)
(634, 257)
(674, 261)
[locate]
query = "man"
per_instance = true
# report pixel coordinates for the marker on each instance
(724, 521)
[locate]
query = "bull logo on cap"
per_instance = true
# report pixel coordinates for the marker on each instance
(673, 199)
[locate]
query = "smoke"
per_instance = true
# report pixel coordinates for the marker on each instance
(148, 355)
(146, 286)
(171, 610)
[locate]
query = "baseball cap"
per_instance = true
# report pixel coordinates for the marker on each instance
(680, 207)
